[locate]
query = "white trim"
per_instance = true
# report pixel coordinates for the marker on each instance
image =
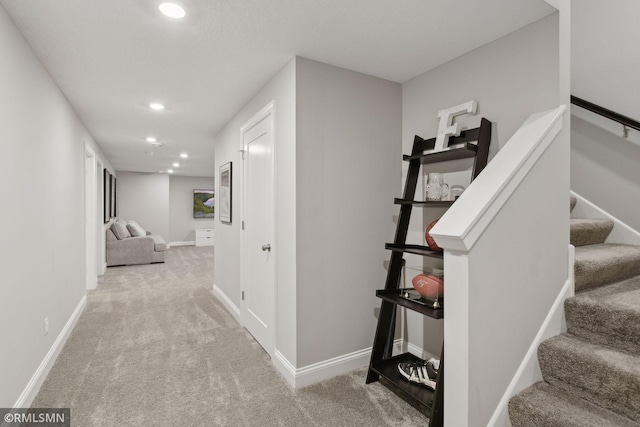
(420, 352)
(226, 301)
(33, 387)
(187, 243)
(286, 369)
(316, 372)
(463, 224)
(621, 233)
(398, 345)
(528, 372)
(456, 340)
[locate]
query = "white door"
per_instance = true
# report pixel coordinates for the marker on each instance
(258, 281)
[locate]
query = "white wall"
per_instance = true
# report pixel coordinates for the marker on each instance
(604, 169)
(144, 198)
(510, 78)
(282, 90)
(42, 271)
(181, 220)
(334, 187)
(604, 53)
(348, 146)
(604, 70)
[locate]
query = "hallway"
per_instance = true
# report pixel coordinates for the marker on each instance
(155, 347)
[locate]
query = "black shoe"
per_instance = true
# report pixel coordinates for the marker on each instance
(420, 372)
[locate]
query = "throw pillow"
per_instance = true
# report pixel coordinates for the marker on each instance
(119, 228)
(135, 229)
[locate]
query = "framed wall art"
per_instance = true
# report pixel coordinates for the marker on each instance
(203, 204)
(224, 195)
(114, 212)
(106, 195)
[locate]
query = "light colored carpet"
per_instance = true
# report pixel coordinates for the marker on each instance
(598, 265)
(592, 373)
(155, 347)
(589, 231)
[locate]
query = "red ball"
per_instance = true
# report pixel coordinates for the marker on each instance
(428, 285)
(430, 242)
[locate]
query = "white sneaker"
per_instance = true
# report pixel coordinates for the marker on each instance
(419, 372)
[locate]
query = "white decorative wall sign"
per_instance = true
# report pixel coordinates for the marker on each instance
(446, 127)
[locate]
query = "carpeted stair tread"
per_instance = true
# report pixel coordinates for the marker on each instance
(607, 315)
(572, 203)
(605, 376)
(589, 231)
(544, 405)
(598, 265)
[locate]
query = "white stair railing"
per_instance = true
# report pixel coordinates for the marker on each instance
(505, 244)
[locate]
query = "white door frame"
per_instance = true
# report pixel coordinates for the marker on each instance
(90, 204)
(267, 110)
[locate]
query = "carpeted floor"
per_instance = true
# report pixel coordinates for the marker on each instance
(591, 373)
(154, 347)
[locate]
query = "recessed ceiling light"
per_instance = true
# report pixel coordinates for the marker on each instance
(172, 10)
(184, 155)
(170, 171)
(156, 106)
(176, 165)
(151, 139)
(156, 144)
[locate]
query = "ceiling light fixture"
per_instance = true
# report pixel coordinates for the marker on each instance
(172, 10)
(151, 139)
(156, 106)
(184, 155)
(176, 165)
(156, 144)
(170, 171)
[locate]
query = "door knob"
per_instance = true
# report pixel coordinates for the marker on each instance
(266, 247)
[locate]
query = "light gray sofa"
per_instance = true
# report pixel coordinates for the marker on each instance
(129, 244)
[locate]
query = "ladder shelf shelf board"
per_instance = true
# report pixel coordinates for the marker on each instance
(424, 203)
(383, 364)
(421, 395)
(393, 296)
(414, 249)
(467, 151)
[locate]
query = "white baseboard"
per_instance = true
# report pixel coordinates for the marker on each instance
(33, 387)
(226, 301)
(420, 352)
(621, 233)
(311, 374)
(528, 372)
(188, 243)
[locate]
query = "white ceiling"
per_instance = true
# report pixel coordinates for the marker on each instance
(111, 58)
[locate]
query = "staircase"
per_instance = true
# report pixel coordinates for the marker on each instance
(591, 373)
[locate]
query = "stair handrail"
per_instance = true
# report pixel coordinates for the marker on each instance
(506, 260)
(626, 121)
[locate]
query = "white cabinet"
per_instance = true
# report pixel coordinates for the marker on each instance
(204, 236)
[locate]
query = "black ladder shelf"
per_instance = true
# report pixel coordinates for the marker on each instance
(383, 364)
